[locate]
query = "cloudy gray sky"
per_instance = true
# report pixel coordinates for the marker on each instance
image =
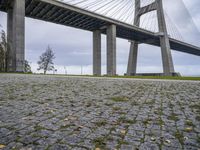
(73, 47)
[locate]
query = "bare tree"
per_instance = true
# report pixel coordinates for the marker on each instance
(2, 55)
(46, 60)
(3, 51)
(27, 67)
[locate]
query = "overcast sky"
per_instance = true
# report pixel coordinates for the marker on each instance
(73, 47)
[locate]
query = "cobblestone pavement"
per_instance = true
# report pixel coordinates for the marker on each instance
(58, 113)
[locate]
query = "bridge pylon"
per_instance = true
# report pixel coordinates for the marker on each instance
(168, 67)
(16, 36)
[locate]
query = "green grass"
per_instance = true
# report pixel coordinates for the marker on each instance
(99, 142)
(119, 99)
(159, 122)
(160, 77)
(173, 117)
(101, 123)
(147, 121)
(195, 106)
(149, 102)
(123, 119)
(122, 142)
(189, 123)
(134, 77)
(179, 136)
(158, 111)
(38, 128)
(115, 108)
(148, 77)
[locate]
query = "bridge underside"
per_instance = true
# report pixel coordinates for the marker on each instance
(61, 13)
(64, 14)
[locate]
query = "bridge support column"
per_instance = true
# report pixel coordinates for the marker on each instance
(111, 50)
(16, 32)
(133, 54)
(97, 52)
(168, 67)
(132, 61)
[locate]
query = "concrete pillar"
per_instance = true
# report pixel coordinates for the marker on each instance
(16, 32)
(97, 52)
(111, 50)
(168, 66)
(132, 61)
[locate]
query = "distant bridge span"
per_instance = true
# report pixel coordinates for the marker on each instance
(68, 15)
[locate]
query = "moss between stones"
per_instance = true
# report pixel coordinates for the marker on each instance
(189, 123)
(99, 142)
(195, 106)
(197, 118)
(101, 123)
(116, 108)
(198, 140)
(134, 103)
(123, 119)
(159, 122)
(179, 136)
(146, 121)
(122, 142)
(38, 127)
(158, 112)
(173, 117)
(119, 99)
(150, 102)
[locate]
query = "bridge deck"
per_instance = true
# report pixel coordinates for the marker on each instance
(64, 14)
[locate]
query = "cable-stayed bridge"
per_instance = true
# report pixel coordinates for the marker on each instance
(127, 19)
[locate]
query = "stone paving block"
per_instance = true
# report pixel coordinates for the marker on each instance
(49, 112)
